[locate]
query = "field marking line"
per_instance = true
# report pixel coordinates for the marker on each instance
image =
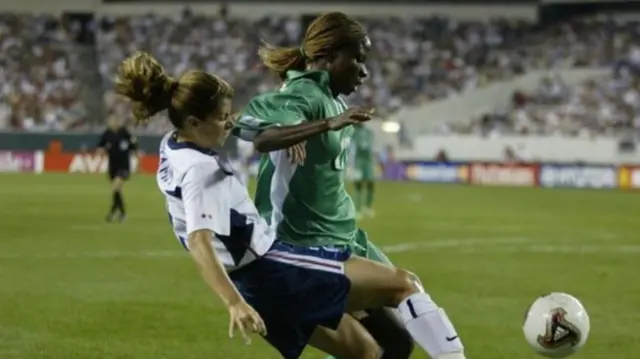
(556, 249)
(96, 254)
(451, 243)
(488, 230)
(398, 248)
(459, 245)
(513, 245)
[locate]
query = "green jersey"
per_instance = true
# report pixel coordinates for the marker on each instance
(309, 203)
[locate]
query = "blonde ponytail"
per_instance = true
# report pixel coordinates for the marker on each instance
(143, 80)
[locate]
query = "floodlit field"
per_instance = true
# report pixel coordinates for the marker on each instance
(72, 286)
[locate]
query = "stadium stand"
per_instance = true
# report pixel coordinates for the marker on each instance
(600, 106)
(606, 106)
(225, 46)
(415, 61)
(39, 90)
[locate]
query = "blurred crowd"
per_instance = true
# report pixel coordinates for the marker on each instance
(227, 47)
(603, 106)
(38, 90)
(413, 61)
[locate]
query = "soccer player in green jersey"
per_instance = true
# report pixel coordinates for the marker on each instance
(364, 162)
(306, 199)
(308, 202)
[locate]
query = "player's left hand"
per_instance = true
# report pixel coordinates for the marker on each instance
(297, 153)
(246, 320)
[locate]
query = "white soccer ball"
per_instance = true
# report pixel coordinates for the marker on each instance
(556, 325)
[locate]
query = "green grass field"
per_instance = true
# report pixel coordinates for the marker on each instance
(72, 286)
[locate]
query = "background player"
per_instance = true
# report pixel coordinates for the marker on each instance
(286, 293)
(364, 162)
(118, 144)
(308, 202)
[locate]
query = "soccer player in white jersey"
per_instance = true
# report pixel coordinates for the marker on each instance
(292, 295)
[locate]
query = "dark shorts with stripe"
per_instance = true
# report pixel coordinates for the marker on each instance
(295, 289)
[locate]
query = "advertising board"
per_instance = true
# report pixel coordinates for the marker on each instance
(93, 163)
(503, 174)
(577, 176)
(499, 174)
(629, 177)
(20, 161)
(434, 172)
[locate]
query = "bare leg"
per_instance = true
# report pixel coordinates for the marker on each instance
(375, 285)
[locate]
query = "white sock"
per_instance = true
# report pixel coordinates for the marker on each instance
(430, 327)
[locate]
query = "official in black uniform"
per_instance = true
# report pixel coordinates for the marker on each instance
(118, 144)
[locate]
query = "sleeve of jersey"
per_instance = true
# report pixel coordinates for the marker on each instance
(205, 201)
(279, 109)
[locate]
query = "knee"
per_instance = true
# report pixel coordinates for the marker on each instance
(366, 349)
(116, 184)
(372, 351)
(406, 283)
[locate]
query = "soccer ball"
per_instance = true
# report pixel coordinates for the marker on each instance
(556, 325)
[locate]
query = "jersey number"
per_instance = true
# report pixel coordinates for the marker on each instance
(340, 162)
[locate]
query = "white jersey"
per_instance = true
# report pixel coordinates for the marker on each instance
(202, 192)
(245, 149)
(245, 152)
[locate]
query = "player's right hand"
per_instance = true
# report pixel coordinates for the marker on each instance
(297, 153)
(352, 116)
(244, 318)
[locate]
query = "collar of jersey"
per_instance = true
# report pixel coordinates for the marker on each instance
(321, 77)
(175, 145)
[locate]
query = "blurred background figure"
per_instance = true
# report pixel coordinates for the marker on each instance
(117, 144)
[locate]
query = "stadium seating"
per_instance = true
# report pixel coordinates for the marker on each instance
(39, 90)
(414, 62)
(600, 106)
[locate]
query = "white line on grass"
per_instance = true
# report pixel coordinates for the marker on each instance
(554, 248)
(514, 245)
(429, 244)
(458, 245)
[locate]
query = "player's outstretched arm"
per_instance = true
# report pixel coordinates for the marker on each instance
(242, 316)
(281, 137)
(278, 138)
(210, 267)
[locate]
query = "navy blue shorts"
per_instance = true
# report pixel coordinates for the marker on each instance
(295, 289)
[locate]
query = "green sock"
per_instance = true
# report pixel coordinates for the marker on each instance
(370, 191)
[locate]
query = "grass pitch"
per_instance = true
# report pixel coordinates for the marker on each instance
(73, 286)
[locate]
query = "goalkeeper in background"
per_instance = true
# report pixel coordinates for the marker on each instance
(364, 162)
